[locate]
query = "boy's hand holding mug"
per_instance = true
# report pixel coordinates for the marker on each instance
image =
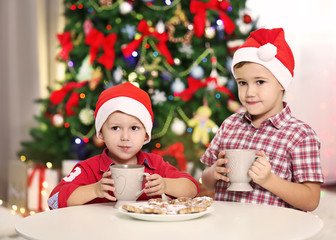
(239, 166)
(260, 171)
(218, 168)
(105, 185)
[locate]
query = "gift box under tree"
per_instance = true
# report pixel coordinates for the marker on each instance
(41, 181)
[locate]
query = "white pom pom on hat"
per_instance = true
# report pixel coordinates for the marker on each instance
(267, 52)
(269, 48)
(128, 99)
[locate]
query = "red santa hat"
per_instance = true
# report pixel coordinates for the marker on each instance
(128, 99)
(269, 48)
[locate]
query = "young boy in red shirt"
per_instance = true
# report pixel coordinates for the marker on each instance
(124, 120)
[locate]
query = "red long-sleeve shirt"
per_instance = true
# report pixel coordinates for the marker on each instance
(91, 171)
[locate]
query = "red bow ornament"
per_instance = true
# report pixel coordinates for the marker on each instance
(175, 150)
(195, 85)
(65, 41)
(149, 31)
(57, 96)
(199, 9)
(96, 40)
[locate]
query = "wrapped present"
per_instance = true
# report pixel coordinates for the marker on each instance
(41, 181)
(17, 184)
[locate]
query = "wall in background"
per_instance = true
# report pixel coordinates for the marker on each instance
(19, 79)
(28, 35)
(310, 31)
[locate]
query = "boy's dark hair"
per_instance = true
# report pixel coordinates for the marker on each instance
(240, 64)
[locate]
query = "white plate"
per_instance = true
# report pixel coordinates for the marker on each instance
(165, 218)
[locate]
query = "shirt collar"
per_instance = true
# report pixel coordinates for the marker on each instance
(280, 119)
(106, 162)
(142, 160)
(277, 120)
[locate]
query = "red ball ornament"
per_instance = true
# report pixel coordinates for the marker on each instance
(247, 18)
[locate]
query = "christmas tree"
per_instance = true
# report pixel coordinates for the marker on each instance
(178, 51)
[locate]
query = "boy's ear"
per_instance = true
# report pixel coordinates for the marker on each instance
(146, 138)
(101, 136)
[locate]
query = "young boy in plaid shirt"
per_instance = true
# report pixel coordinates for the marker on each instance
(288, 171)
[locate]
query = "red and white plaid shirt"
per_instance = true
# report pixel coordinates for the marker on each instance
(291, 146)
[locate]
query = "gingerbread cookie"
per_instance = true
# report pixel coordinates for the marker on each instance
(175, 206)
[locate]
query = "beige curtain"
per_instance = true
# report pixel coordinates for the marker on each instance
(27, 44)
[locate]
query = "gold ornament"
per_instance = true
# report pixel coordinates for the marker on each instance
(96, 77)
(86, 116)
(209, 32)
(154, 65)
(179, 17)
(57, 120)
(76, 40)
(105, 2)
(154, 74)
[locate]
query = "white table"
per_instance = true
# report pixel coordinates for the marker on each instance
(227, 221)
(7, 222)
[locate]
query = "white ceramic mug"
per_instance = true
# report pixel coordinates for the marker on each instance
(239, 162)
(128, 182)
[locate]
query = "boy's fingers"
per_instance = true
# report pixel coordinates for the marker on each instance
(221, 154)
(222, 177)
(109, 197)
(107, 174)
(261, 153)
(221, 162)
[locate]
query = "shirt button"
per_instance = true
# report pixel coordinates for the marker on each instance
(251, 134)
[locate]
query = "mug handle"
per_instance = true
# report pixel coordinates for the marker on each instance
(139, 193)
(141, 175)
